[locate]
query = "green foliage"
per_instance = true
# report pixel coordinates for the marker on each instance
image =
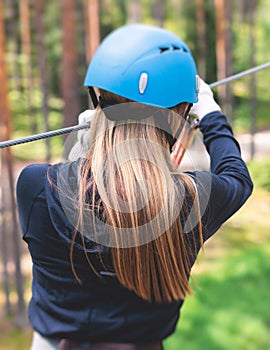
(242, 115)
(260, 172)
(114, 15)
(211, 66)
(241, 62)
(22, 124)
(53, 44)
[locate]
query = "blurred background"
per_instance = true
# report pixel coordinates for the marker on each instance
(45, 48)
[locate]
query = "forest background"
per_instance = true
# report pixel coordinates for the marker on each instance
(45, 48)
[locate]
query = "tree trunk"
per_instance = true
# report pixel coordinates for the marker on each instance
(39, 25)
(201, 34)
(5, 129)
(92, 32)
(134, 11)
(26, 50)
(253, 80)
(21, 314)
(13, 45)
(92, 29)
(69, 80)
(159, 12)
(3, 237)
(224, 52)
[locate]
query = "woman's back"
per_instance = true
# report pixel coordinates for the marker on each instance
(114, 235)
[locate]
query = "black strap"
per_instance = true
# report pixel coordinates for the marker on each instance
(93, 96)
(116, 111)
(137, 111)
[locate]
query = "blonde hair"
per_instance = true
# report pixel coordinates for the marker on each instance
(129, 169)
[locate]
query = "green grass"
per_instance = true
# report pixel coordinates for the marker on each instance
(15, 339)
(260, 171)
(230, 311)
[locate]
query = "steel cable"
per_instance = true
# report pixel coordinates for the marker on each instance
(43, 135)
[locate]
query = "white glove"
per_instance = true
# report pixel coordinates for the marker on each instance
(81, 147)
(206, 103)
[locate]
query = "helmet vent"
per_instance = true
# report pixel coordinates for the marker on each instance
(143, 82)
(179, 48)
(173, 47)
(163, 49)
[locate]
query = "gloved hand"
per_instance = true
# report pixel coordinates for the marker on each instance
(81, 147)
(206, 103)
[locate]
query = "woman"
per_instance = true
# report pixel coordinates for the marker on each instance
(114, 234)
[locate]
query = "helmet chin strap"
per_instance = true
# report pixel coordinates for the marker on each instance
(93, 96)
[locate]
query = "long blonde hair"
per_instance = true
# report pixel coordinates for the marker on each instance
(144, 203)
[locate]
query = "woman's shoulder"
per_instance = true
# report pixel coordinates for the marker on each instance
(36, 177)
(30, 185)
(32, 174)
(31, 180)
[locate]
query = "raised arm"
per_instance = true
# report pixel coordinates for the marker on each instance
(229, 183)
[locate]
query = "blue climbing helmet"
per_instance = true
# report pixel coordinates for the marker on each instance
(145, 64)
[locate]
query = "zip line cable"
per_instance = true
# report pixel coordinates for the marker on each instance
(69, 129)
(240, 75)
(43, 135)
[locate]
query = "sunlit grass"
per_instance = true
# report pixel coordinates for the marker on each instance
(230, 311)
(15, 339)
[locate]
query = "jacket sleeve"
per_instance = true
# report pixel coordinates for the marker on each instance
(228, 183)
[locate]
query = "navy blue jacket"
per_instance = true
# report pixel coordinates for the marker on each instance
(100, 309)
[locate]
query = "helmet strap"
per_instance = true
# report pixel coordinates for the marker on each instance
(93, 96)
(138, 111)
